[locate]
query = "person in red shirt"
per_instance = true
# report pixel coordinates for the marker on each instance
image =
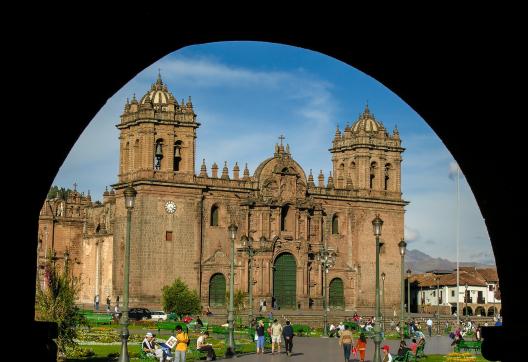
(412, 346)
(361, 346)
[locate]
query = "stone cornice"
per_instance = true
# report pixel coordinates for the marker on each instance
(158, 122)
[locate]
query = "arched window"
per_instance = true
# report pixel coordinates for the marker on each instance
(387, 176)
(372, 173)
(158, 154)
(177, 155)
(137, 157)
(214, 215)
(335, 225)
(353, 173)
(125, 163)
(285, 219)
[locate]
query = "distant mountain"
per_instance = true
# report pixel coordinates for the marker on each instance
(420, 262)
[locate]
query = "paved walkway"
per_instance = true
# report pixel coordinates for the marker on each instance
(327, 349)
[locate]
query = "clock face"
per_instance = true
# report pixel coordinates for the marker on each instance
(170, 207)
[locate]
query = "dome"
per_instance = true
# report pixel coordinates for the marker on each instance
(366, 123)
(158, 94)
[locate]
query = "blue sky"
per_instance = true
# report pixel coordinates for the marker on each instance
(246, 94)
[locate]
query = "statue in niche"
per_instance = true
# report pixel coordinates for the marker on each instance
(301, 189)
(287, 187)
(269, 189)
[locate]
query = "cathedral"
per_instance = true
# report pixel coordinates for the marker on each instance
(179, 224)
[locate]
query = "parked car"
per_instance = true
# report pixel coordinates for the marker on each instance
(139, 314)
(159, 315)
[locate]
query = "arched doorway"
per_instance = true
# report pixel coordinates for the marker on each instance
(217, 290)
(284, 281)
(480, 311)
(336, 295)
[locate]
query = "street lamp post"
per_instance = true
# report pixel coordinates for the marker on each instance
(438, 305)
(377, 223)
(247, 243)
(327, 259)
(409, 293)
(130, 197)
(230, 350)
(466, 300)
(383, 300)
(402, 245)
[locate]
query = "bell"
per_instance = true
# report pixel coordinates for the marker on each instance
(177, 152)
(159, 153)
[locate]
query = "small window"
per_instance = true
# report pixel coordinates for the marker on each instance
(168, 235)
(452, 293)
(335, 225)
(214, 216)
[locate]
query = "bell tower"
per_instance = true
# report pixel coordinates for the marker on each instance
(157, 136)
(365, 157)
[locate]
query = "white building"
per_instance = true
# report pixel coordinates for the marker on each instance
(477, 291)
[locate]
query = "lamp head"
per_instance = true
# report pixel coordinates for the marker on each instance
(232, 231)
(402, 245)
(130, 197)
(377, 223)
(408, 273)
(244, 240)
(383, 276)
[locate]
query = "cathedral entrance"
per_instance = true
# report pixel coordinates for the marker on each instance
(284, 281)
(337, 299)
(217, 290)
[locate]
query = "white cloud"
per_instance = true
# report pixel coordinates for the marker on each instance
(411, 234)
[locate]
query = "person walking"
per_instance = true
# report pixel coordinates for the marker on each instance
(346, 340)
(96, 302)
(259, 330)
(276, 336)
(287, 332)
(108, 304)
(429, 326)
(361, 346)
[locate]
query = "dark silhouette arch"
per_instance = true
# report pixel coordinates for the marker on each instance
(456, 82)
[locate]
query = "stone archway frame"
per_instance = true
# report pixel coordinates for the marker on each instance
(298, 266)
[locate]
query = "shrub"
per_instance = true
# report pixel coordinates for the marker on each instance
(300, 329)
(179, 299)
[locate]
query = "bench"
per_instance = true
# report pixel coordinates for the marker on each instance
(195, 352)
(171, 326)
(410, 356)
(407, 357)
(420, 352)
(143, 355)
(192, 326)
(99, 318)
(464, 345)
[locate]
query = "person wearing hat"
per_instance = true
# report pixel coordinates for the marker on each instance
(149, 347)
(386, 355)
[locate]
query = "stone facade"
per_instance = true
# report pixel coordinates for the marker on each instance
(279, 207)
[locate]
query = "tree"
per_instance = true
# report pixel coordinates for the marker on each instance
(239, 300)
(179, 299)
(55, 302)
